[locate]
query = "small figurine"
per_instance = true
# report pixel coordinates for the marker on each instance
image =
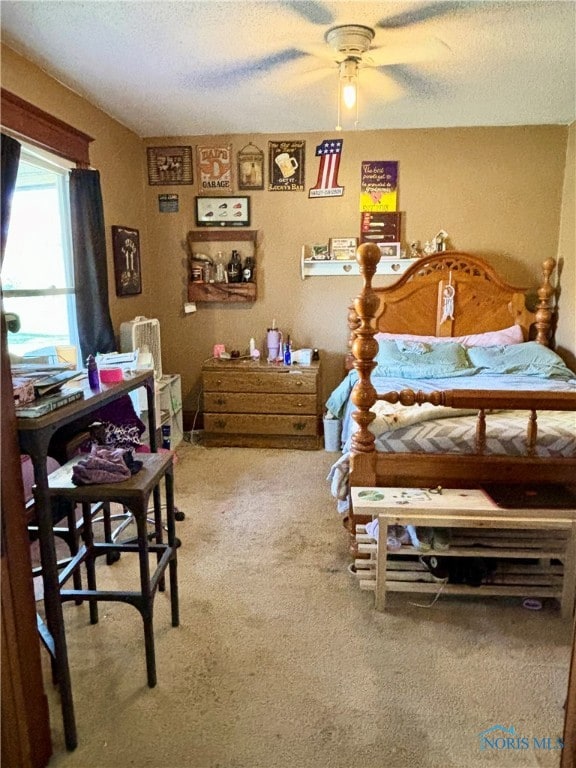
(441, 241)
(415, 250)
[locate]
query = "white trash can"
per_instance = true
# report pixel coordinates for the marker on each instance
(332, 431)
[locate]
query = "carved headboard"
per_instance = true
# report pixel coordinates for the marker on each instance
(419, 302)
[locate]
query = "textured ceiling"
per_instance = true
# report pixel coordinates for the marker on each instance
(171, 68)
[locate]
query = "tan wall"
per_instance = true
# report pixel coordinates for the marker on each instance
(566, 333)
(497, 192)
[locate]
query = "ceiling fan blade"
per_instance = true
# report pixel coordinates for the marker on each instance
(235, 74)
(410, 80)
(424, 13)
(431, 49)
(323, 52)
(314, 12)
(377, 84)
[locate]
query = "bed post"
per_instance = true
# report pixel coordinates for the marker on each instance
(544, 309)
(364, 349)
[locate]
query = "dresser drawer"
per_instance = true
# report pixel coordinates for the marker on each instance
(266, 381)
(232, 402)
(256, 424)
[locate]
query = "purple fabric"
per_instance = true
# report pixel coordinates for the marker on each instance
(103, 465)
(120, 412)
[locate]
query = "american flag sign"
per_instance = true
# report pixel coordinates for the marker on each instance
(327, 183)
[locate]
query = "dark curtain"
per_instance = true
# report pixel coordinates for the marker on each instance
(95, 330)
(9, 171)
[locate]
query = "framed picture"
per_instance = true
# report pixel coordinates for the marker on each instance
(250, 167)
(126, 249)
(222, 211)
(343, 248)
(389, 250)
(169, 165)
(320, 253)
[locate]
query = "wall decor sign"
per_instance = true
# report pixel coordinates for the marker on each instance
(343, 248)
(250, 163)
(286, 162)
(168, 203)
(215, 168)
(222, 211)
(379, 185)
(380, 227)
(169, 165)
(327, 185)
(126, 249)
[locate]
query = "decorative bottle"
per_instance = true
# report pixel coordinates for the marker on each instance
(234, 268)
(93, 376)
(288, 351)
(248, 270)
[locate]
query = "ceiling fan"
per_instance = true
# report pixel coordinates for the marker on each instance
(387, 69)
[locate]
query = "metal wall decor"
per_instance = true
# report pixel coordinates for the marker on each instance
(286, 162)
(215, 168)
(169, 165)
(250, 162)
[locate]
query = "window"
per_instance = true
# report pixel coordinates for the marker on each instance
(37, 274)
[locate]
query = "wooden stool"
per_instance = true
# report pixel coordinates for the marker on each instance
(134, 494)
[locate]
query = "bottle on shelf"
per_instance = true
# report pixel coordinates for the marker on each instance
(234, 268)
(288, 351)
(248, 270)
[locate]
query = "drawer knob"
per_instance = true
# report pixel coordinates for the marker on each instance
(221, 401)
(299, 426)
(299, 383)
(220, 423)
(218, 381)
(300, 405)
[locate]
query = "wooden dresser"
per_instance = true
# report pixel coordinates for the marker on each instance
(261, 405)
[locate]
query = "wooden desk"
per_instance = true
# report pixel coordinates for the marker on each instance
(34, 436)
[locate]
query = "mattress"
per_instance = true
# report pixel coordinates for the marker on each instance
(430, 429)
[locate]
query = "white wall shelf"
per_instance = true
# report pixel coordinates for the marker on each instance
(313, 268)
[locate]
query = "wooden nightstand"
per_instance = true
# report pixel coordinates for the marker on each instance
(261, 405)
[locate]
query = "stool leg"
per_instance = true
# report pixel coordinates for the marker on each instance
(173, 565)
(158, 530)
(147, 599)
(73, 541)
(90, 559)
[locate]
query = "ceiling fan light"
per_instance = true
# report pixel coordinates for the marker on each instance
(349, 94)
(349, 81)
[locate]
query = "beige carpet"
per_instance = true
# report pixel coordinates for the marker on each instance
(281, 661)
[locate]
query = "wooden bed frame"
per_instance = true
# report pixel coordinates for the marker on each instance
(414, 304)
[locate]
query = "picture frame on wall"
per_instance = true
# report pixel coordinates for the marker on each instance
(343, 248)
(169, 165)
(250, 162)
(223, 211)
(127, 270)
(389, 250)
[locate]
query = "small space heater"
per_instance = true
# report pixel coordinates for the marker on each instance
(143, 334)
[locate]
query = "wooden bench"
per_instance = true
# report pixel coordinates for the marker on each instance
(535, 549)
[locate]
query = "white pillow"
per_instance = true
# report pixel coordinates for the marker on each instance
(504, 337)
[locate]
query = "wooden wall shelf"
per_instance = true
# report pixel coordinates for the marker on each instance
(228, 293)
